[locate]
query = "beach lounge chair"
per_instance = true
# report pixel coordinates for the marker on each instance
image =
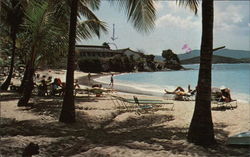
(221, 104)
(143, 108)
(121, 102)
(151, 102)
(128, 104)
(142, 104)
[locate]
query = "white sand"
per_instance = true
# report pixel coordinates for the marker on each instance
(103, 128)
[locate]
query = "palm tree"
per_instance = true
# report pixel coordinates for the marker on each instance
(85, 30)
(11, 16)
(34, 23)
(201, 128)
(143, 16)
(68, 108)
(47, 37)
(39, 23)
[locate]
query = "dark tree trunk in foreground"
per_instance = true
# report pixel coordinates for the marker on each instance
(28, 87)
(6, 83)
(201, 128)
(24, 79)
(68, 107)
(28, 82)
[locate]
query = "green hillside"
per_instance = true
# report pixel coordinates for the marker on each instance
(237, 54)
(216, 59)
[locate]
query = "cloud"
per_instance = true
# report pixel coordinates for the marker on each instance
(170, 20)
(177, 17)
(229, 17)
(174, 7)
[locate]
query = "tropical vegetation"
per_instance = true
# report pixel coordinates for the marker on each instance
(11, 18)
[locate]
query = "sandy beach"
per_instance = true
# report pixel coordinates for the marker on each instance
(105, 128)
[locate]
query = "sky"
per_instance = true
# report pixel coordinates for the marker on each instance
(175, 27)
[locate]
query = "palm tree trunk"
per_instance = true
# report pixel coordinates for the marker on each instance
(6, 83)
(28, 87)
(28, 83)
(25, 77)
(201, 128)
(68, 107)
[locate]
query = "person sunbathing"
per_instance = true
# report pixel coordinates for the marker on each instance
(222, 94)
(226, 96)
(180, 91)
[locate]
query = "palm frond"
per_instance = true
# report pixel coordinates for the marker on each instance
(85, 11)
(192, 4)
(45, 34)
(141, 13)
(89, 28)
(93, 4)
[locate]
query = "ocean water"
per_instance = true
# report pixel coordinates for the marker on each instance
(233, 76)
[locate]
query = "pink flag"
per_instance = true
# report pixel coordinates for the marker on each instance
(185, 46)
(188, 50)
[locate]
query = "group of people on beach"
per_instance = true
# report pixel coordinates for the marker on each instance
(219, 94)
(49, 87)
(45, 86)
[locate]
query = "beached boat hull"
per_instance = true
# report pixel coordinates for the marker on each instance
(240, 139)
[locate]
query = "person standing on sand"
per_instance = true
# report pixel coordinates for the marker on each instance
(112, 81)
(89, 77)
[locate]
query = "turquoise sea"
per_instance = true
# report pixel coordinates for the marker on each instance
(234, 76)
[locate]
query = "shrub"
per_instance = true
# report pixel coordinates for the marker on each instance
(90, 64)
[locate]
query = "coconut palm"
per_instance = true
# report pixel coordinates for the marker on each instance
(38, 23)
(11, 16)
(142, 15)
(201, 127)
(85, 29)
(68, 109)
(46, 37)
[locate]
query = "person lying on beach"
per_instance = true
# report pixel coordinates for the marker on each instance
(97, 86)
(180, 91)
(222, 94)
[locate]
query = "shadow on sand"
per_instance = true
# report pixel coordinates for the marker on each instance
(149, 132)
